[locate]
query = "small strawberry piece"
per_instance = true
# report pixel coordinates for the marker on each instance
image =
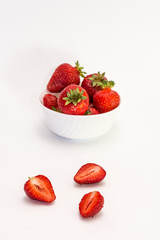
(95, 82)
(91, 111)
(91, 204)
(50, 101)
(106, 100)
(40, 188)
(73, 100)
(90, 173)
(65, 75)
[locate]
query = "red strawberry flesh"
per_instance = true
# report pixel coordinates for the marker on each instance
(40, 188)
(91, 204)
(90, 173)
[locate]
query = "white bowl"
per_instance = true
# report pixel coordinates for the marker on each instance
(77, 127)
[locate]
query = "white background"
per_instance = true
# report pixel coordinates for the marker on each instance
(121, 38)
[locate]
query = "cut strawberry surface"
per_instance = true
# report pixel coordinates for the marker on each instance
(90, 173)
(40, 188)
(91, 204)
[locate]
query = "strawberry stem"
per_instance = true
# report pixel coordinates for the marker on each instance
(81, 73)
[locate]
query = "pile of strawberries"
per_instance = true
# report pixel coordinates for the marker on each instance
(94, 96)
(40, 188)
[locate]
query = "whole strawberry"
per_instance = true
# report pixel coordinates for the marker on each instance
(50, 101)
(65, 75)
(95, 82)
(106, 100)
(73, 100)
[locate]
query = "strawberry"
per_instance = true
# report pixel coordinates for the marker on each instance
(91, 204)
(106, 100)
(90, 173)
(91, 111)
(40, 188)
(95, 82)
(50, 101)
(65, 75)
(73, 100)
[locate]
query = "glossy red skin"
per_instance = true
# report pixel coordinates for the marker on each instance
(90, 173)
(87, 85)
(40, 188)
(91, 204)
(63, 76)
(50, 101)
(79, 109)
(106, 100)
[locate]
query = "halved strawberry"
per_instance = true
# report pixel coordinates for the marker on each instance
(90, 173)
(91, 204)
(40, 188)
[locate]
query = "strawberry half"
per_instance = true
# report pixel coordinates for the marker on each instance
(90, 173)
(40, 188)
(91, 204)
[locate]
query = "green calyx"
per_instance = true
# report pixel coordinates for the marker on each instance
(88, 112)
(99, 80)
(55, 109)
(74, 96)
(81, 73)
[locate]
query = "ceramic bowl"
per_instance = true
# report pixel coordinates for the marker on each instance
(77, 127)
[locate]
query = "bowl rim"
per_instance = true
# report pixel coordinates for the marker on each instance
(71, 115)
